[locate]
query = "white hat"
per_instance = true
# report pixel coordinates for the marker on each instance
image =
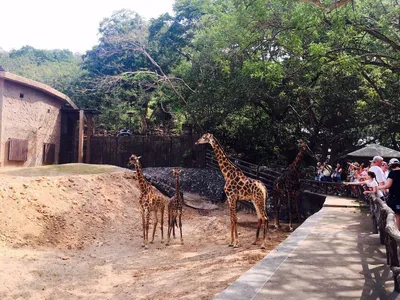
(377, 158)
(394, 161)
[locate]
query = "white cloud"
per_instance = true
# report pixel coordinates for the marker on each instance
(73, 24)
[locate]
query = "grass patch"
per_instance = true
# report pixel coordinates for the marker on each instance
(62, 170)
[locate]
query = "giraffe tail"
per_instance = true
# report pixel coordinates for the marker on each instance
(264, 191)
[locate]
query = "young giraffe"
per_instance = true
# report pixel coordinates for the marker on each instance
(150, 200)
(287, 186)
(175, 209)
(239, 187)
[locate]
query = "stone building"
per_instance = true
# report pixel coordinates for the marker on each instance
(32, 121)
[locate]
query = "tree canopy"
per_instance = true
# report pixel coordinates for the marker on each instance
(259, 74)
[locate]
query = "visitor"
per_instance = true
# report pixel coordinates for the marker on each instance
(337, 174)
(393, 184)
(351, 172)
(371, 183)
(318, 171)
(358, 175)
(385, 169)
(376, 164)
(326, 172)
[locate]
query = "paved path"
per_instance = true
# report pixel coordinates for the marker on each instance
(332, 255)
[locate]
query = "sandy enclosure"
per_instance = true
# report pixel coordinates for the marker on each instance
(79, 237)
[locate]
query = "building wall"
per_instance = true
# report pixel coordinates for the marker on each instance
(36, 117)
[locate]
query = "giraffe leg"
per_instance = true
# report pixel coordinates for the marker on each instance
(258, 231)
(232, 211)
(290, 213)
(265, 231)
(235, 245)
(147, 221)
(234, 223)
(180, 226)
(162, 224)
(143, 227)
(174, 224)
(169, 226)
(277, 209)
(155, 226)
(297, 200)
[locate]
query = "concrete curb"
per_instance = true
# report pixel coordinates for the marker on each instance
(250, 283)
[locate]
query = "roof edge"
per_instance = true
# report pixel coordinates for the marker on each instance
(36, 85)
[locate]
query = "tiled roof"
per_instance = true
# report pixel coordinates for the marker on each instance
(372, 150)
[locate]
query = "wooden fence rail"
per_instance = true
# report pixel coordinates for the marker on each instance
(384, 222)
(156, 151)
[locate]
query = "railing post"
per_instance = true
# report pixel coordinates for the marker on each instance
(372, 209)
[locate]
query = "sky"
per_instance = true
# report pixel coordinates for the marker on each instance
(67, 24)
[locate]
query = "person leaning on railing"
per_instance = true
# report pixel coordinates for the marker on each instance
(371, 183)
(393, 184)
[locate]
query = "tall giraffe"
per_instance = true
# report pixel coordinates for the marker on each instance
(239, 187)
(175, 208)
(150, 200)
(287, 186)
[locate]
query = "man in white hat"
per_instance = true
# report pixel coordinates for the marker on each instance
(376, 168)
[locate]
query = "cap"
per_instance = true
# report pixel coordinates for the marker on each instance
(376, 158)
(394, 161)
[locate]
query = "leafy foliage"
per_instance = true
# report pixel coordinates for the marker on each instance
(259, 74)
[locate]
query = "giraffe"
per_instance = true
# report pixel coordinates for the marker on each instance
(287, 186)
(175, 209)
(239, 187)
(150, 200)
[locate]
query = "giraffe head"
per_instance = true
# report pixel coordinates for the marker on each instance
(176, 172)
(304, 146)
(206, 138)
(134, 161)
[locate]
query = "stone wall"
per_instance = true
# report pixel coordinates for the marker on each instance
(31, 115)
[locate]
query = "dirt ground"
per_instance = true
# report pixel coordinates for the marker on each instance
(76, 236)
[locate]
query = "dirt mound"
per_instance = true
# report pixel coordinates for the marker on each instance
(66, 211)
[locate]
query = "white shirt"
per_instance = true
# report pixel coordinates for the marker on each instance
(380, 177)
(373, 183)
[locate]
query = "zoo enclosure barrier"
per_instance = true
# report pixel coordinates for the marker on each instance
(332, 188)
(156, 151)
(384, 223)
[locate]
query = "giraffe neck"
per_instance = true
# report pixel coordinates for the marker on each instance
(141, 179)
(296, 162)
(177, 189)
(224, 163)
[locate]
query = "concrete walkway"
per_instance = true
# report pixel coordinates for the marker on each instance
(332, 255)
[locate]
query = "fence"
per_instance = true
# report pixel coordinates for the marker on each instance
(384, 222)
(332, 188)
(156, 151)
